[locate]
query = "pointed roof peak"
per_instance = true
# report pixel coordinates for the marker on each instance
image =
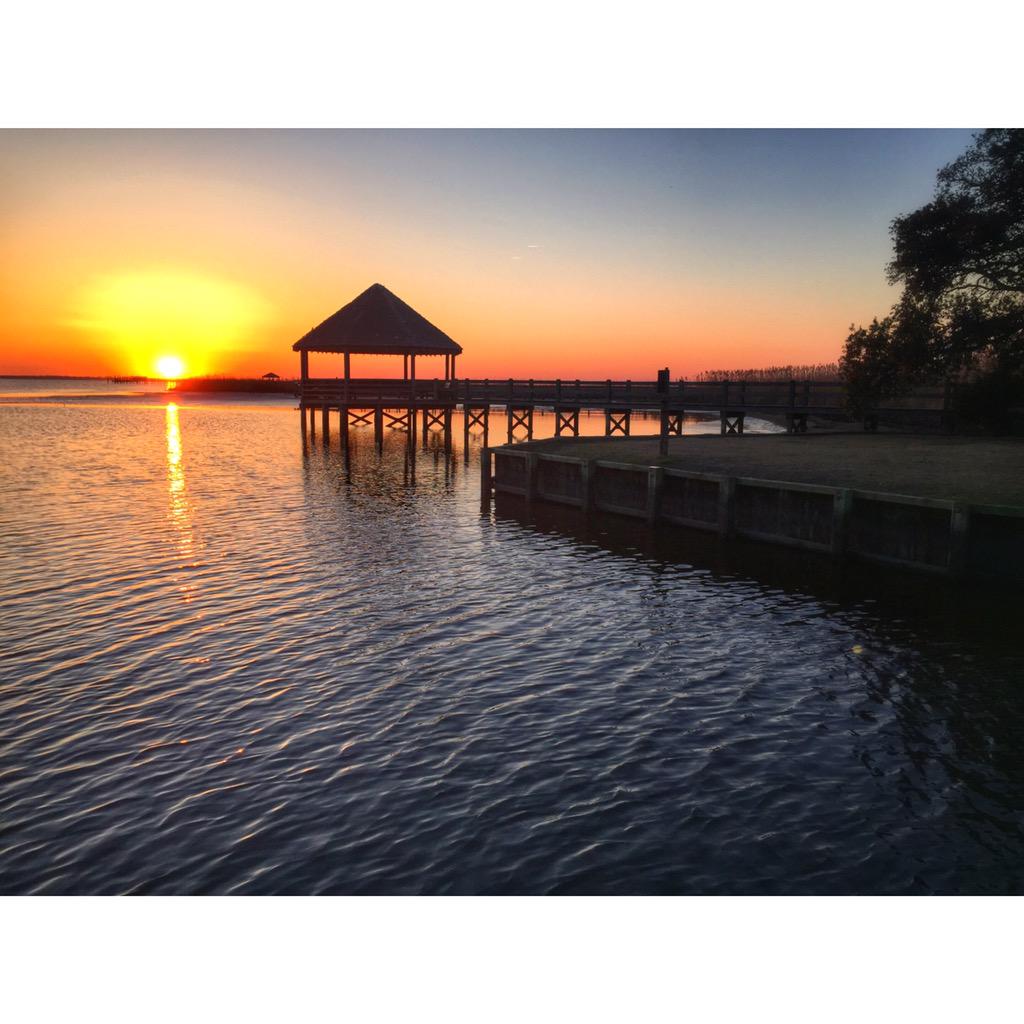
(377, 321)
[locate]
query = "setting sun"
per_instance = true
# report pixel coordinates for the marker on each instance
(146, 315)
(170, 367)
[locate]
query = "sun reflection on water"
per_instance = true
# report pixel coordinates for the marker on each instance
(180, 508)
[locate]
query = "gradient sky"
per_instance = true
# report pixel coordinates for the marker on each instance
(544, 253)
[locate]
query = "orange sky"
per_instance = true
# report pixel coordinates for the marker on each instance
(586, 254)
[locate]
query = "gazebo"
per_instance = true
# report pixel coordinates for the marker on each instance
(378, 322)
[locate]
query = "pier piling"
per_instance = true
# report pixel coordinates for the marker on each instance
(616, 421)
(567, 421)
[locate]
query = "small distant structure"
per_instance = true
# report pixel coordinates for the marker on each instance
(270, 376)
(378, 322)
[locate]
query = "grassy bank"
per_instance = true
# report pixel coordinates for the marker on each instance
(977, 470)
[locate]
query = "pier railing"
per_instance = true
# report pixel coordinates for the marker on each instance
(807, 395)
(804, 396)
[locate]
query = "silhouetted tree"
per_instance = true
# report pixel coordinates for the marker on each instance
(960, 260)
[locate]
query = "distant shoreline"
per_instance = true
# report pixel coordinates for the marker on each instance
(47, 376)
(242, 385)
(247, 385)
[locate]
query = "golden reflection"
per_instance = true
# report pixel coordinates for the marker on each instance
(180, 509)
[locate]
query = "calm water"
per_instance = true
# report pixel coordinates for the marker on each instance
(229, 666)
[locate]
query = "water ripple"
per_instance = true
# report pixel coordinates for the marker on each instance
(229, 665)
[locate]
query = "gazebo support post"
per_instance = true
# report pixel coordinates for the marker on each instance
(304, 376)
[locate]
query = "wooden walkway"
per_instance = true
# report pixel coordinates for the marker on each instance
(397, 402)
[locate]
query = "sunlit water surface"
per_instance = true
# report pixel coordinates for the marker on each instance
(231, 666)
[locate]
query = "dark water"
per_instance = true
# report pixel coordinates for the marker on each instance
(227, 666)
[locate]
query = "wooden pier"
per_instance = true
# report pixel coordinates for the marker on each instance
(378, 323)
(390, 402)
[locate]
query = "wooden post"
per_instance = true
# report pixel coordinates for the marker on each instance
(447, 428)
(587, 469)
(405, 366)
(727, 507)
(663, 432)
(842, 503)
(312, 423)
(655, 482)
(326, 419)
(959, 528)
(412, 368)
(348, 368)
(304, 365)
(302, 417)
(343, 426)
(508, 410)
(531, 476)
(378, 426)
(486, 483)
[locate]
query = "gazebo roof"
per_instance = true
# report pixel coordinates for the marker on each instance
(378, 322)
